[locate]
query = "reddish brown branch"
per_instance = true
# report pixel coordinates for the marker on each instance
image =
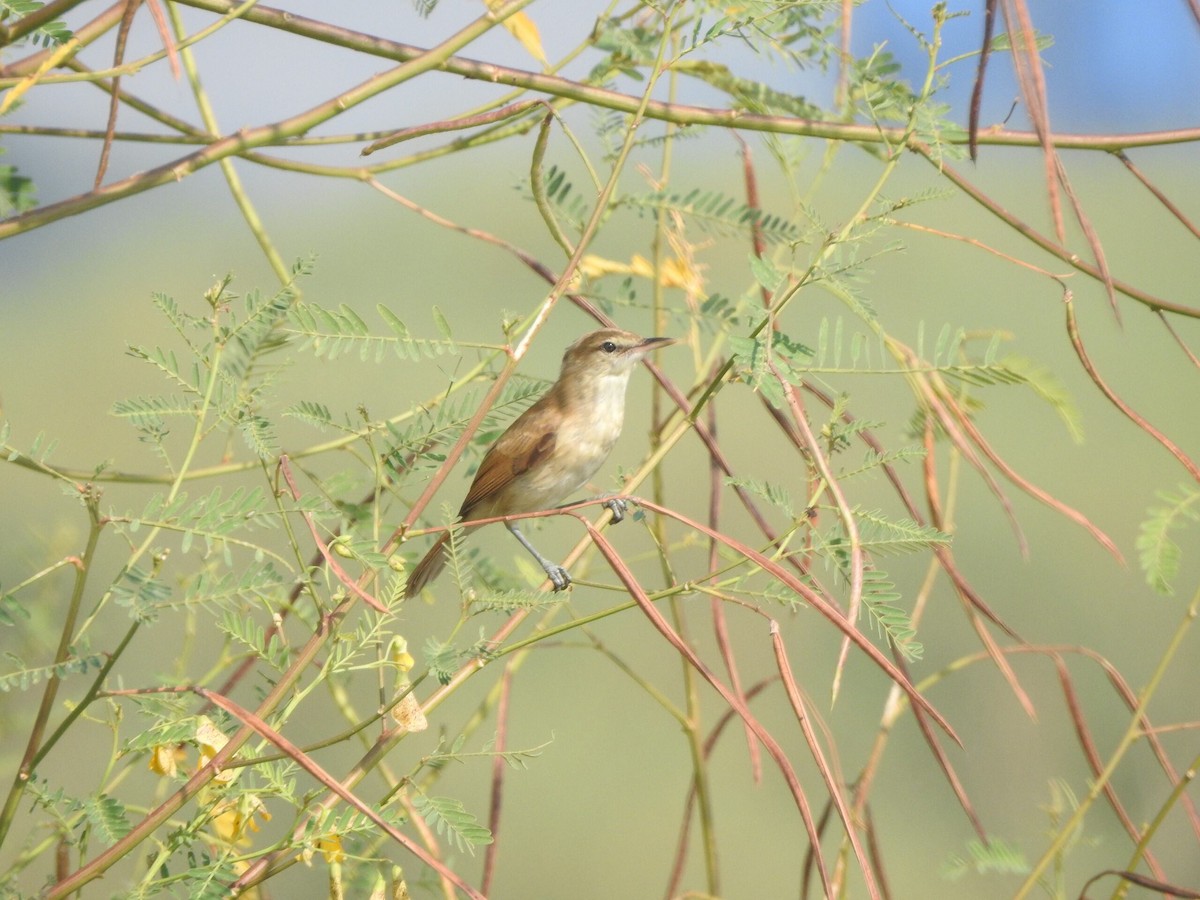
(985, 53)
(1046, 243)
(1159, 195)
(342, 575)
(819, 603)
(833, 782)
(720, 626)
(664, 628)
(1092, 755)
(1129, 412)
(690, 802)
(499, 768)
(306, 762)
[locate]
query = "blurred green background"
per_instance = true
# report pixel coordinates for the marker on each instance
(596, 815)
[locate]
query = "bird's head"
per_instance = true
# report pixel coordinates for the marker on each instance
(606, 353)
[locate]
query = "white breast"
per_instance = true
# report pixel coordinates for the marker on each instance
(582, 443)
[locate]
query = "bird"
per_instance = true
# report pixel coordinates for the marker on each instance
(554, 447)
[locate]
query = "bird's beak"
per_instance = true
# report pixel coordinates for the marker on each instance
(655, 342)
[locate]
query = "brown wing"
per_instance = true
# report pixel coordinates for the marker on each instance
(528, 441)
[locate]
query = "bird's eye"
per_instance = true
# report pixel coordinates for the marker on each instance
(608, 347)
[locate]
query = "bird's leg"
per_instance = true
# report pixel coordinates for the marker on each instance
(554, 572)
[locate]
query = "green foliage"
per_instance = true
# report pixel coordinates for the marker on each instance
(442, 659)
(514, 399)
(142, 592)
(458, 561)
(146, 413)
(761, 363)
(173, 731)
(893, 622)
(880, 536)
(507, 602)
(25, 677)
(17, 193)
(570, 206)
(887, 537)
(862, 352)
(717, 213)
(1157, 551)
(315, 414)
(411, 448)
(719, 313)
(873, 460)
(229, 368)
(448, 817)
(1003, 42)
(11, 610)
(259, 435)
(214, 519)
(224, 544)
(107, 817)
(626, 48)
(996, 857)
(252, 635)
(1046, 385)
(777, 495)
(753, 96)
(51, 33)
(39, 451)
(205, 876)
(949, 348)
(879, 94)
(332, 333)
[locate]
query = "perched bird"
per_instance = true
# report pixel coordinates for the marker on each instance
(553, 448)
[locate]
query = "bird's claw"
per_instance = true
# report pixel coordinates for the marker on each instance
(617, 506)
(559, 576)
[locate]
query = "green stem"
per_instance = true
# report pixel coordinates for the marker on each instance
(163, 812)
(1181, 786)
(263, 135)
(249, 213)
(679, 114)
(538, 185)
(34, 748)
(89, 696)
(1133, 732)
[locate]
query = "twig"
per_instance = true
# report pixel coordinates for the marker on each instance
(664, 628)
(1129, 412)
(334, 566)
(499, 769)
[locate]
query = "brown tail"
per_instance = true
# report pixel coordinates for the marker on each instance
(428, 568)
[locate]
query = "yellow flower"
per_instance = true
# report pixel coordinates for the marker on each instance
(165, 759)
(233, 820)
(211, 739)
(676, 272)
(331, 848)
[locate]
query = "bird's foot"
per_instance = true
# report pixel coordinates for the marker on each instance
(560, 576)
(617, 506)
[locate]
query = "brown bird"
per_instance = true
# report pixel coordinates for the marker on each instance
(553, 448)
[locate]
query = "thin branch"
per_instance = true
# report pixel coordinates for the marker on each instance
(1129, 412)
(499, 769)
(823, 606)
(833, 781)
(664, 628)
(1046, 243)
(1158, 194)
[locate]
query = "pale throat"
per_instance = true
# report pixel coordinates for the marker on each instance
(596, 421)
(607, 402)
